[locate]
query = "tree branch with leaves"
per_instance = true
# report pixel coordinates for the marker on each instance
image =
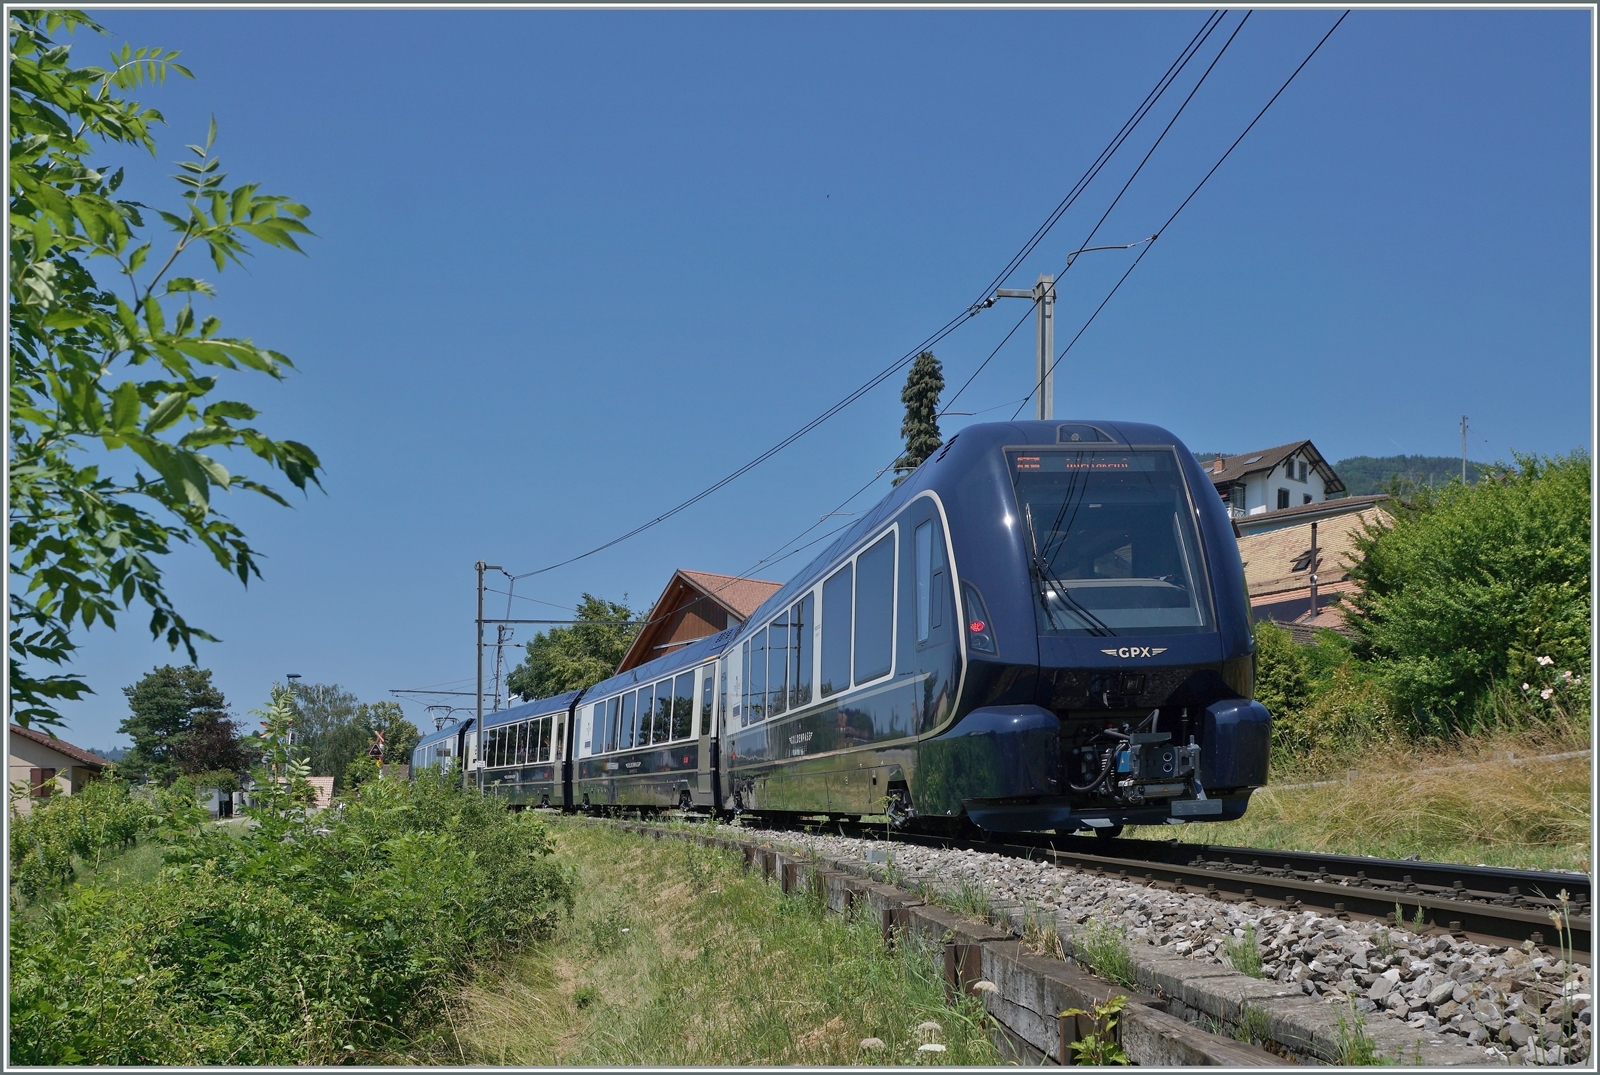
(102, 363)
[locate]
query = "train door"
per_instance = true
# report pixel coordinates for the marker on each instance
(706, 791)
(561, 768)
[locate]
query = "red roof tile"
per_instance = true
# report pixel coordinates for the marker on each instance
(75, 753)
(740, 596)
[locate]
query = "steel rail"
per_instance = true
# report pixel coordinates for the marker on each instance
(1483, 903)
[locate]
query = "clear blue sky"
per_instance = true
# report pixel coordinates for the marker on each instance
(573, 267)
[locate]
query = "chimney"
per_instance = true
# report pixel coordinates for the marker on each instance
(1217, 464)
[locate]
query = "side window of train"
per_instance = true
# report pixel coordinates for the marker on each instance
(663, 722)
(778, 665)
(638, 730)
(682, 705)
(923, 555)
(800, 623)
(619, 711)
(708, 697)
(756, 679)
(875, 610)
(837, 616)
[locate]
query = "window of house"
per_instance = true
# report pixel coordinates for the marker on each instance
(1303, 562)
(1305, 498)
(39, 782)
(1303, 468)
(1283, 498)
(837, 615)
(800, 621)
(874, 632)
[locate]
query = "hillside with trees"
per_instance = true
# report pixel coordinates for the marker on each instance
(1365, 474)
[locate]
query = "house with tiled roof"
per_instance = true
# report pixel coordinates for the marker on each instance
(1298, 573)
(695, 604)
(1273, 479)
(42, 765)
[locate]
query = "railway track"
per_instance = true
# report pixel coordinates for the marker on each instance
(1481, 903)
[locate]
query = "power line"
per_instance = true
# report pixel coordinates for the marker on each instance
(1133, 121)
(1160, 231)
(1159, 138)
(948, 327)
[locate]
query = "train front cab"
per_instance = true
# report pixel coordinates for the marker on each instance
(1110, 664)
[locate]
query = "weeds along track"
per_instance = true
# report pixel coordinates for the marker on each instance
(1473, 902)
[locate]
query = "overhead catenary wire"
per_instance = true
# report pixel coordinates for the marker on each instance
(1203, 180)
(1111, 147)
(949, 326)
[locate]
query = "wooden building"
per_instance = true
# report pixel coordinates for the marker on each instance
(694, 605)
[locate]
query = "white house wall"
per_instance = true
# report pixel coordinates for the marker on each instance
(1261, 490)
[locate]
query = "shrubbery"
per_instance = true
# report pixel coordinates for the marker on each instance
(306, 938)
(104, 816)
(1472, 585)
(1474, 613)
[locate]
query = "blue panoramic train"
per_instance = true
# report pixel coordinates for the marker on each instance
(1045, 627)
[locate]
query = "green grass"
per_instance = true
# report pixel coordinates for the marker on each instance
(677, 956)
(1469, 804)
(1104, 948)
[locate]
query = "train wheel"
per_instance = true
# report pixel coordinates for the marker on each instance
(1110, 832)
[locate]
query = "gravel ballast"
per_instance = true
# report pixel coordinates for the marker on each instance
(1511, 1002)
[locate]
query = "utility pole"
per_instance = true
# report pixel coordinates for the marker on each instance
(1463, 449)
(502, 635)
(1313, 569)
(478, 730)
(1043, 295)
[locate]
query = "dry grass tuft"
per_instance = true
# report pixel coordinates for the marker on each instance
(1487, 800)
(715, 968)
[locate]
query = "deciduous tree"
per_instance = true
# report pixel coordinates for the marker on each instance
(115, 423)
(571, 658)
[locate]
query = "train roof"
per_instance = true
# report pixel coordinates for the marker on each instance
(979, 437)
(687, 656)
(558, 703)
(447, 732)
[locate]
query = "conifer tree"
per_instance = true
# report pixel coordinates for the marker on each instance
(921, 426)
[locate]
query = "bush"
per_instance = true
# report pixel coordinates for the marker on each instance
(308, 938)
(54, 836)
(1472, 585)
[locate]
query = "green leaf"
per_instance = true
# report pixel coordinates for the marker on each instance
(166, 412)
(153, 318)
(125, 407)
